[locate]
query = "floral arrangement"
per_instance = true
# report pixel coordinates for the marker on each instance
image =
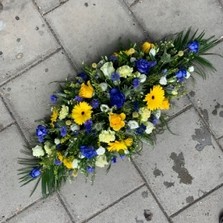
(111, 107)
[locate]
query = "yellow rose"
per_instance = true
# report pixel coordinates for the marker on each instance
(86, 90)
(130, 51)
(146, 46)
(117, 121)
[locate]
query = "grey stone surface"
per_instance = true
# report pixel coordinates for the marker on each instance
(48, 5)
(85, 200)
(133, 209)
(163, 17)
(24, 36)
(91, 31)
(221, 142)
(178, 169)
(29, 97)
(206, 211)
(13, 197)
(46, 211)
(5, 117)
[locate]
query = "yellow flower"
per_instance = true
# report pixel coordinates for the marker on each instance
(145, 114)
(81, 113)
(146, 46)
(155, 98)
(130, 51)
(86, 90)
(63, 112)
(117, 121)
(66, 161)
(120, 145)
(107, 136)
(54, 115)
(165, 105)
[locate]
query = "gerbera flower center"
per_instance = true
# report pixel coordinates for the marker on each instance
(153, 97)
(82, 112)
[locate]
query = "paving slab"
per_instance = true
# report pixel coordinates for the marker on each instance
(24, 36)
(46, 6)
(89, 31)
(84, 200)
(206, 211)
(5, 117)
(29, 95)
(163, 17)
(13, 197)
(178, 169)
(49, 210)
(135, 208)
(221, 142)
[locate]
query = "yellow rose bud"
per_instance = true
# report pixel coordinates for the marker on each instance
(86, 90)
(130, 51)
(146, 46)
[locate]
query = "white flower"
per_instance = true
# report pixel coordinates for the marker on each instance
(100, 150)
(149, 127)
(152, 52)
(132, 59)
(142, 78)
(74, 127)
(38, 151)
(145, 114)
(107, 136)
(187, 75)
(57, 141)
(103, 86)
(163, 80)
(191, 69)
(157, 114)
(133, 124)
(125, 71)
(101, 161)
(104, 108)
(174, 92)
(48, 148)
(75, 164)
(126, 152)
(63, 112)
(107, 69)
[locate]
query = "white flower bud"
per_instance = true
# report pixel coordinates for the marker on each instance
(191, 69)
(103, 86)
(100, 150)
(142, 78)
(163, 80)
(133, 124)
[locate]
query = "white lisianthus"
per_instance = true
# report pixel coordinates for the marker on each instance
(100, 150)
(187, 75)
(142, 78)
(103, 86)
(133, 124)
(101, 161)
(75, 163)
(157, 114)
(47, 147)
(104, 108)
(107, 136)
(63, 112)
(191, 69)
(74, 127)
(152, 52)
(163, 80)
(125, 71)
(149, 127)
(132, 59)
(38, 151)
(57, 141)
(145, 114)
(107, 69)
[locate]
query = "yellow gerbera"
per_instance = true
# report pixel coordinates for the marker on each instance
(120, 145)
(155, 98)
(81, 113)
(146, 46)
(86, 90)
(117, 121)
(54, 116)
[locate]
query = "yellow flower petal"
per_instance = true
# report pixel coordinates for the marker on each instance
(117, 121)
(86, 90)
(146, 46)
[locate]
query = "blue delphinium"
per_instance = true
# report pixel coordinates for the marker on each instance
(35, 172)
(83, 76)
(57, 162)
(63, 131)
(141, 129)
(94, 103)
(41, 132)
(144, 66)
(193, 46)
(136, 82)
(53, 99)
(181, 75)
(90, 169)
(154, 120)
(114, 159)
(115, 76)
(117, 98)
(88, 151)
(78, 98)
(88, 125)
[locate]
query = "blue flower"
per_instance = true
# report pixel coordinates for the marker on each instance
(122, 156)
(78, 98)
(88, 151)
(113, 58)
(41, 132)
(83, 76)
(115, 76)
(181, 75)
(95, 103)
(193, 46)
(63, 131)
(57, 162)
(136, 106)
(154, 120)
(136, 82)
(35, 172)
(117, 98)
(88, 125)
(144, 66)
(114, 159)
(53, 99)
(90, 169)
(141, 129)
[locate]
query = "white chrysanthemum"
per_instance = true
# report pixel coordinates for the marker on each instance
(163, 80)
(100, 150)
(149, 127)
(57, 141)
(125, 71)
(107, 69)
(104, 108)
(133, 124)
(145, 114)
(103, 86)
(38, 151)
(63, 112)
(101, 161)
(191, 69)
(107, 136)
(142, 78)
(75, 164)
(74, 127)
